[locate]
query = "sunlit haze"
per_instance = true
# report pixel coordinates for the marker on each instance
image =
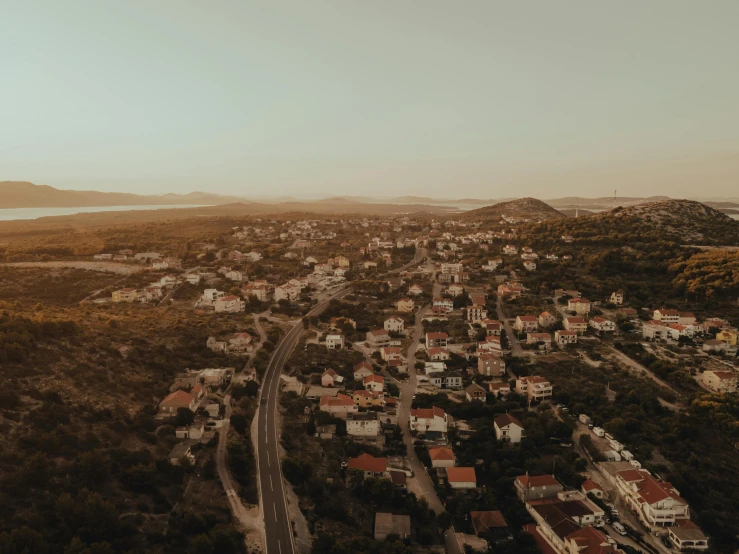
(483, 99)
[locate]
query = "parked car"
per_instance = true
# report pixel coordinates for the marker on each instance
(666, 541)
(619, 528)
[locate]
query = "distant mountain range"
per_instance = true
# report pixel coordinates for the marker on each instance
(21, 194)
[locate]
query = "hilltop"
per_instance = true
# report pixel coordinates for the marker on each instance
(682, 221)
(529, 209)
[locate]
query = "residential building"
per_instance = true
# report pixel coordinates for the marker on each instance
(526, 323)
(229, 304)
(461, 478)
(436, 339)
(617, 297)
(529, 265)
(425, 420)
(655, 329)
(339, 405)
(362, 370)
(438, 354)
(443, 305)
(389, 353)
(362, 425)
(686, 535)
(499, 388)
(563, 338)
(535, 387)
(476, 313)
(405, 305)
(374, 383)
(579, 305)
(394, 324)
(475, 392)
(544, 340)
(728, 335)
(490, 525)
(176, 400)
(334, 342)
(124, 295)
(508, 428)
(415, 290)
(369, 466)
(442, 456)
(446, 380)
(331, 379)
(368, 399)
(537, 487)
(720, 381)
(591, 487)
(377, 338)
(666, 315)
(657, 503)
(546, 319)
(577, 324)
(490, 364)
(602, 324)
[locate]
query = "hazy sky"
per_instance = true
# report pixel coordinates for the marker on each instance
(315, 97)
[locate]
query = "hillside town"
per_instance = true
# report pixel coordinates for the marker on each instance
(453, 384)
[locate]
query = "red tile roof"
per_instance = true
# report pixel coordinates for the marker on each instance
(366, 462)
(484, 521)
(537, 480)
(441, 453)
(461, 475)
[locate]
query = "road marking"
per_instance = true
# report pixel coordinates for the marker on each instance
(268, 458)
(271, 486)
(275, 508)
(279, 545)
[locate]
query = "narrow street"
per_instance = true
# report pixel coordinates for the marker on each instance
(420, 484)
(515, 346)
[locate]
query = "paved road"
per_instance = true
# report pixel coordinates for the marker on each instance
(278, 527)
(516, 349)
(424, 485)
(277, 524)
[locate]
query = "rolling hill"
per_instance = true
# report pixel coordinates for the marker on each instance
(22, 194)
(529, 209)
(682, 221)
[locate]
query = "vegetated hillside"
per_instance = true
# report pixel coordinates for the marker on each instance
(709, 273)
(681, 221)
(522, 208)
(21, 194)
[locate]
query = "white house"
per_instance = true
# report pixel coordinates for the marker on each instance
(426, 420)
(230, 304)
(364, 424)
(394, 324)
(602, 324)
(508, 428)
(377, 338)
(334, 342)
(617, 297)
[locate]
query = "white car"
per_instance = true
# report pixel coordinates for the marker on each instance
(619, 528)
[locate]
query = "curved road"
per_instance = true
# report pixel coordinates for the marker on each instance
(277, 526)
(278, 531)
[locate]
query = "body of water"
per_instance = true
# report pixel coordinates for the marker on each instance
(10, 214)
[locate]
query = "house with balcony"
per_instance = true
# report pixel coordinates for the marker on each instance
(536, 388)
(508, 428)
